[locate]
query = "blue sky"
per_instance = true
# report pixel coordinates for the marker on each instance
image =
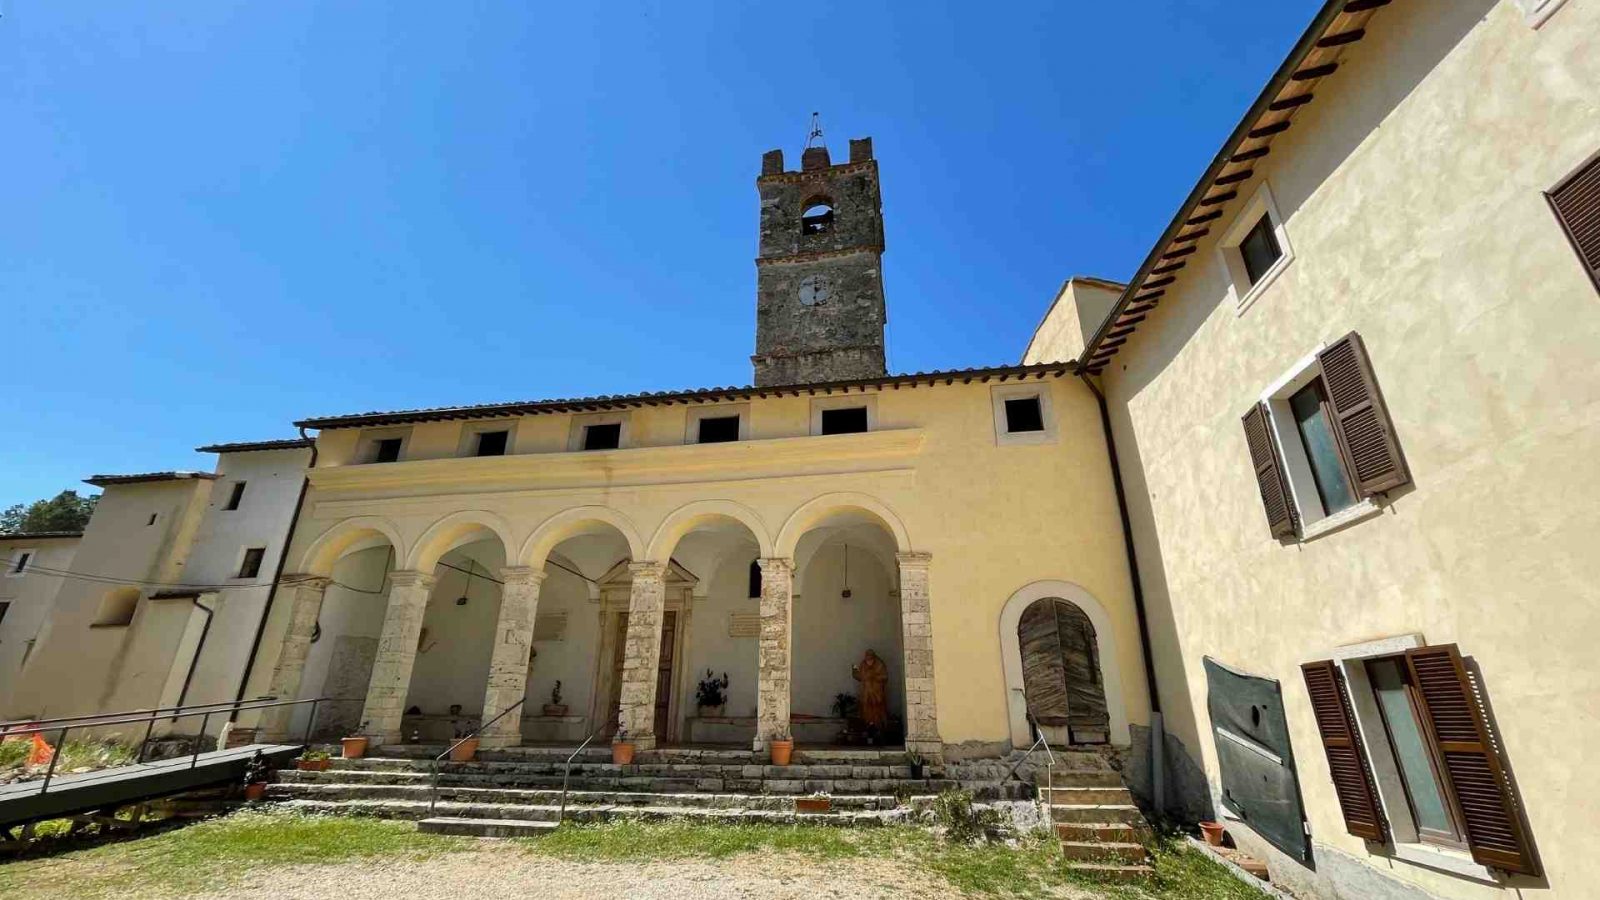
(223, 216)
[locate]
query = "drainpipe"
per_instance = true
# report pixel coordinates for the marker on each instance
(199, 648)
(277, 576)
(1157, 727)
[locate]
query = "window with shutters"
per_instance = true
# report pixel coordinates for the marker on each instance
(1255, 248)
(1414, 757)
(1576, 203)
(1322, 444)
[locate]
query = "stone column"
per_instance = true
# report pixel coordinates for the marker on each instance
(774, 666)
(642, 655)
(916, 625)
(508, 663)
(397, 653)
(305, 605)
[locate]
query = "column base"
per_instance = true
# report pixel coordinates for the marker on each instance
(388, 739)
(643, 742)
(492, 741)
(932, 751)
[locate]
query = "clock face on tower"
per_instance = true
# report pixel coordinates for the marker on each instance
(815, 290)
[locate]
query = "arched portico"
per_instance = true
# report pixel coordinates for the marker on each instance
(570, 523)
(835, 505)
(687, 518)
(345, 537)
(456, 530)
(1011, 656)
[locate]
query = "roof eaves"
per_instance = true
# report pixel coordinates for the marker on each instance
(249, 446)
(142, 477)
(40, 535)
(1318, 36)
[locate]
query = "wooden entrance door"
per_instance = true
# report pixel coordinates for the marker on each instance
(664, 673)
(1061, 672)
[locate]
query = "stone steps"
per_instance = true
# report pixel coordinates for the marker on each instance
(419, 809)
(1100, 828)
(1097, 812)
(798, 771)
(495, 828)
(1087, 796)
(1125, 874)
(1104, 832)
(537, 798)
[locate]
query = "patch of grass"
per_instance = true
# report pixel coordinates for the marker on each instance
(625, 841)
(211, 852)
(14, 753)
(1182, 873)
(1031, 868)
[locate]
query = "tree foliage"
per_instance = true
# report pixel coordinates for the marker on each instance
(65, 511)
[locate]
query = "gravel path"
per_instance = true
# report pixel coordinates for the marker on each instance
(497, 874)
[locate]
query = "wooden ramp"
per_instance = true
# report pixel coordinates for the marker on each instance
(68, 795)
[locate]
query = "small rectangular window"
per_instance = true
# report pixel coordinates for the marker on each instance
(1259, 249)
(22, 563)
(1315, 426)
(1414, 754)
(388, 451)
(1023, 414)
(849, 420)
(4, 607)
(151, 521)
(236, 496)
(719, 430)
(602, 437)
(251, 566)
(492, 443)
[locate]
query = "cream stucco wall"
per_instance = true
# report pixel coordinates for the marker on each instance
(994, 518)
(78, 667)
(30, 597)
(1411, 191)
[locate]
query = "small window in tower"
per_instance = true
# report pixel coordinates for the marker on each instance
(236, 496)
(250, 566)
(849, 420)
(492, 443)
(719, 430)
(387, 450)
(602, 437)
(818, 217)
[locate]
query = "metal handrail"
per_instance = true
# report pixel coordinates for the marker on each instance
(141, 713)
(566, 771)
(167, 713)
(1038, 742)
(433, 780)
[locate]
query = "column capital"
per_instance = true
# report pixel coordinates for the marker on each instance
(647, 569)
(776, 565)
(522, 575)
(915, 559)
(306, 581)
(411, 578)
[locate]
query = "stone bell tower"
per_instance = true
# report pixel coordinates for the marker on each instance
(819, 282)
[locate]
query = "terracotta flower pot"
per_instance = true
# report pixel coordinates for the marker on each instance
(781, 751)
(622, 753)
(813, 804)
(354, 747)
(255, 790)
(313, 765)
(1213, 833)
(464, 751)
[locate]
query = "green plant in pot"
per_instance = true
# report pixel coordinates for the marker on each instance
(555, 707)
(313, 760)
(711, 696)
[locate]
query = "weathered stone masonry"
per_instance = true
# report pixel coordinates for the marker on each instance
(508, 666)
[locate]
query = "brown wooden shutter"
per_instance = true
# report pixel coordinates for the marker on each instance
(1365, 433)
(1452, 710)
(1577, 205)
(1269, 472)
(1352, 780)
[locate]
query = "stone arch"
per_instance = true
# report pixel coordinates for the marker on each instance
(684, 519)
(1105, 645)
(341, 537)
(454, 530)
(536, 549)
(817, 509)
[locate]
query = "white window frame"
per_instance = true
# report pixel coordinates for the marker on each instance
(1243, 293)
(1000, 393)
(691, 428)
(468, 445)
(581, 422)
(367, 449)
(844, 401)
(1313, 517)
(1407, 844)
(11, 566)
(1536, 12)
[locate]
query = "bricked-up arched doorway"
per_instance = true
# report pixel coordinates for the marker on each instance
(1061, 673)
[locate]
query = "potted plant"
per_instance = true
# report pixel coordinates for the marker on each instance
(255, 779)
(1213, 833)
(621, 748)
(464, 749)
(917, 762)
(782, 748)
(354, 747)
(555, 708)
(844, 706)
(712, 695)
(312, 760)
(819, 802)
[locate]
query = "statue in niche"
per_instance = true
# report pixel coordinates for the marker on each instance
(873, 706)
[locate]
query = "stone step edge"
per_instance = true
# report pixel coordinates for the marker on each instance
(861, 817)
